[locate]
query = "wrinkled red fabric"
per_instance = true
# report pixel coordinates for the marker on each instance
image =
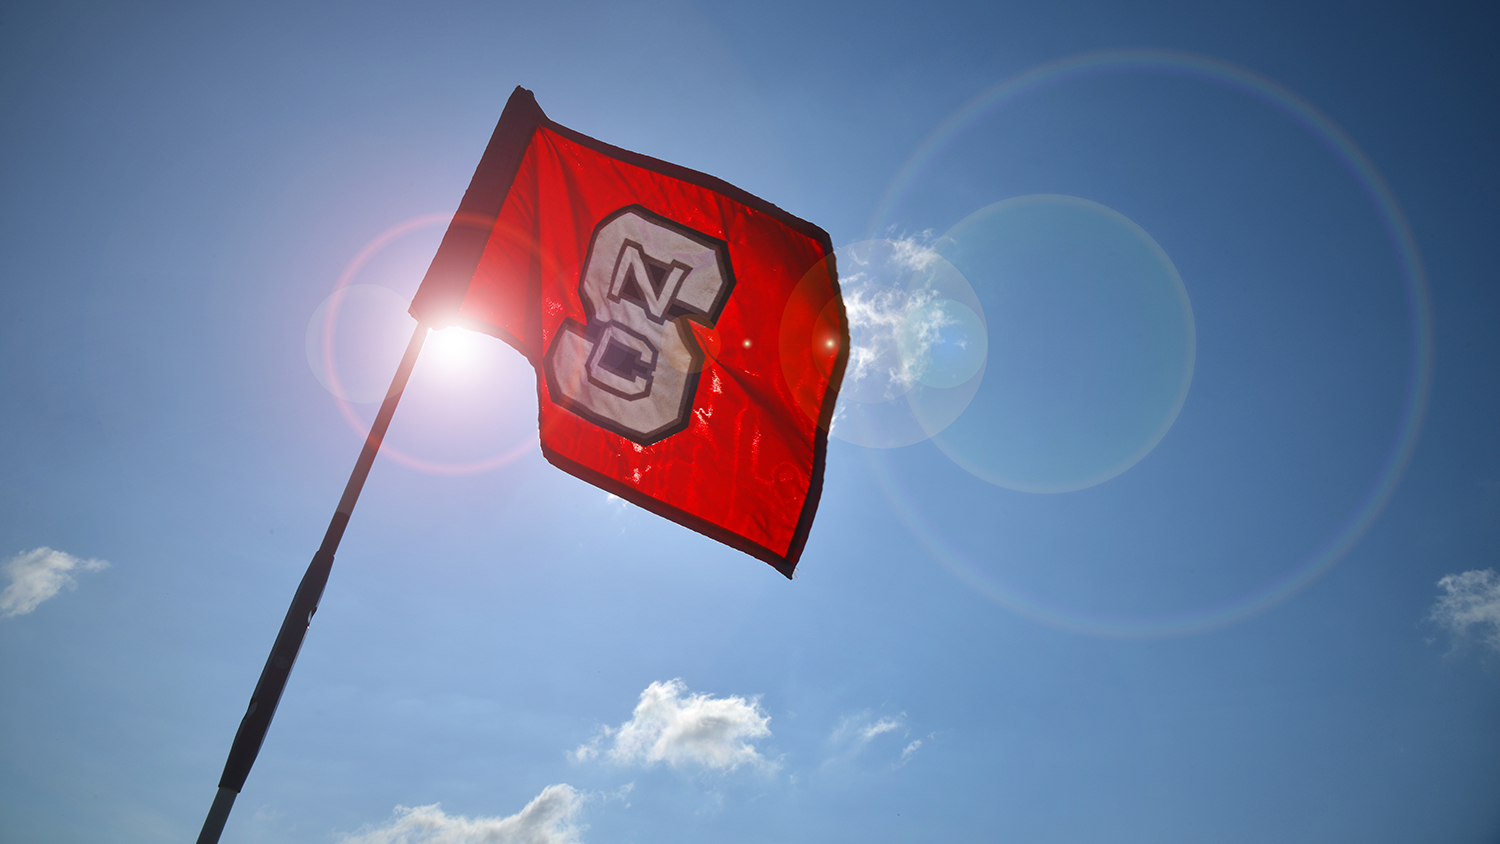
(747, 469)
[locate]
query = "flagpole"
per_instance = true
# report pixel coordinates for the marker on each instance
(273, 676)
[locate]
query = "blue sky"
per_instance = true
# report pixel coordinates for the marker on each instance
(1201, 548)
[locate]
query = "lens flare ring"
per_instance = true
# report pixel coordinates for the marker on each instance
(1418, 323)
(918, 339)
(1134, 386)
(336, 388)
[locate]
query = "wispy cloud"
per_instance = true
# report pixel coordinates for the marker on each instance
(914, 253)
(891, 337)
(884, 725)
(911, 750)
(896, 316)
(1470, 606)
(547, 819)
(856, 731)
(37, 575)
(682, 729)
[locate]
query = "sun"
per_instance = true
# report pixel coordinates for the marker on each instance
(456, 350)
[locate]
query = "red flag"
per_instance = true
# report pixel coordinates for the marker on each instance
(688, 337)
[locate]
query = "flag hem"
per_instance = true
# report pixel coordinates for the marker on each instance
(784, 563)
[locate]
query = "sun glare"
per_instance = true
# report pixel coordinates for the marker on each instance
(455, 349)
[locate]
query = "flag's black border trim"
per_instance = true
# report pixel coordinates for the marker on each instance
(457, 258)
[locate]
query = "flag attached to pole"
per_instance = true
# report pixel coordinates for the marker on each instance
(688, 337)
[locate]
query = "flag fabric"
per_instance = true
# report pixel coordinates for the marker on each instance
(688, 337)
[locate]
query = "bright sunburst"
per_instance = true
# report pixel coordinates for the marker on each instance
(455, 350)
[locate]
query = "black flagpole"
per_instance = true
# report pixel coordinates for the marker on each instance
(268, 689)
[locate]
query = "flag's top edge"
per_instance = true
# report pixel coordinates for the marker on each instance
(686, 174)
(447, 279)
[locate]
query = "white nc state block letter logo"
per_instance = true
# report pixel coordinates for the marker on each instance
(633, 368)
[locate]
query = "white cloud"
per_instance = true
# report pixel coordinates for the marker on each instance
(1471, 604)
(682, 729)
(894, 318)
(910, 751)
(547, 819)
(913, 253)
(856, 731)
(37, 575)
(891, 337)
(884, 725)
(853, 733)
